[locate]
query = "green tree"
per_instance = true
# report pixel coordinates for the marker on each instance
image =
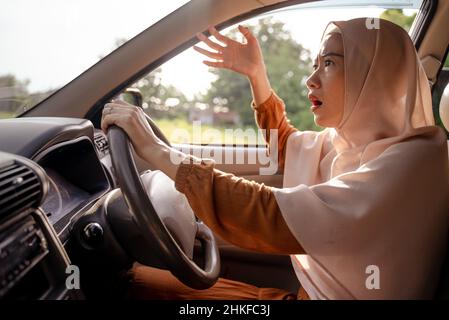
(161, 100)
(288, 65)
(14, 95)
(398, 17)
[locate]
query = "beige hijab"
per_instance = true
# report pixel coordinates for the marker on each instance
(368, 200)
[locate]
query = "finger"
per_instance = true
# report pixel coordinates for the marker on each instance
(120, 106)
(109, 120)
(106, 110)
(122, 102)
(219, 36)
(130, 114)
(213, 55)
(215, 64)
(246, 33)
(209, 42)
(121, 110)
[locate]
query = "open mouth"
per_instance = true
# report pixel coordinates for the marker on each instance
(317, 103)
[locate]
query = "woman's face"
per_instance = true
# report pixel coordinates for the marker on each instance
(326, 84)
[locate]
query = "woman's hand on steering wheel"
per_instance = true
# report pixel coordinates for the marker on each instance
(146, 143)
(133, 121)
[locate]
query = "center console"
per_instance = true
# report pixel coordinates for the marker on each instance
(33, 262)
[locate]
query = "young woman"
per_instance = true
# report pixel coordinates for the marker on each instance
(364, 208)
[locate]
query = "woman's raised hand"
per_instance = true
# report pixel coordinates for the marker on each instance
(245, 58)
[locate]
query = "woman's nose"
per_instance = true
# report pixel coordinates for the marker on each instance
(313, 81)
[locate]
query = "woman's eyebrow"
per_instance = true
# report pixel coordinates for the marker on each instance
(332, 54)
(328, 54)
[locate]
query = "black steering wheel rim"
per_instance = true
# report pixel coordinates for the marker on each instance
(155, 234)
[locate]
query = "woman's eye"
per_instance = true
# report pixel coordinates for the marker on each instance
(328, 62)
(314, 67)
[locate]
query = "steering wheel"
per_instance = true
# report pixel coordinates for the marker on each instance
(140, 193)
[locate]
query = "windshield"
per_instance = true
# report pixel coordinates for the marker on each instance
(45, 44)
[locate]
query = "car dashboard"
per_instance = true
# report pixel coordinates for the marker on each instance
(76, 177)
(69, 167)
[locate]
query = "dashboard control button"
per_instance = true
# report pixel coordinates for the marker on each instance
(93, 234)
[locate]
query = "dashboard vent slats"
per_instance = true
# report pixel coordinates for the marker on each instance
(20, 188)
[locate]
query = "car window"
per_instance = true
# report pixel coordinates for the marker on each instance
(45, 44)
(192, 103)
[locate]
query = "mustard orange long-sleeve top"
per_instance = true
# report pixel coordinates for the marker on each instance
(241, 211)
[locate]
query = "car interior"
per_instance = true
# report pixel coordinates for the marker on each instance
(78, 207)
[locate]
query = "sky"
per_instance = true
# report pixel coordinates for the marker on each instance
(50, 42)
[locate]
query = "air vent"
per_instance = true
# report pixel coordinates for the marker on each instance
(20, 189)
(101, 143)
